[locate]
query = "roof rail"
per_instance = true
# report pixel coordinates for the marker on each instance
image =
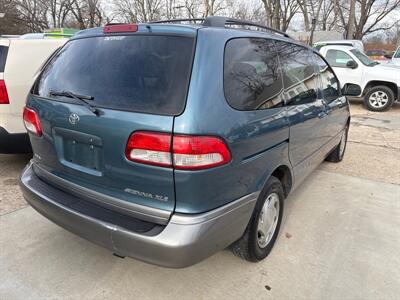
(217, 21)
(178, 21)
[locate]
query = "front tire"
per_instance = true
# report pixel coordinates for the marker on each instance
(263, 228)
(379, 98)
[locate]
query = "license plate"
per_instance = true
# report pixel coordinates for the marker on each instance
(77, 149)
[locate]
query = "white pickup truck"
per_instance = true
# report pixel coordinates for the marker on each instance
(380, 84)
(396, 57)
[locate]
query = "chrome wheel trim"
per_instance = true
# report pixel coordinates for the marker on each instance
(268, 220)
(342, 145)
(378, 99)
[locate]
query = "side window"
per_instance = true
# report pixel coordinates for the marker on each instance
(329, 82)
(299, 74)
(338, 58)
(251, 74)
(3, 57)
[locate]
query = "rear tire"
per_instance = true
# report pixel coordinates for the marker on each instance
(263, 228)
(379, 98)
(338, 153)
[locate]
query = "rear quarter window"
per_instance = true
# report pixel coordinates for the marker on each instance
(3, 57)
(252, 79)
(148, 74)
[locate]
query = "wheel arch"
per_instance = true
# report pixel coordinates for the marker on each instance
(348, 121)
(374, 83)
(285, 176)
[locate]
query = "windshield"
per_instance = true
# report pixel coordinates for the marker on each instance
(363, 58)
(397, 54)
(143, 73)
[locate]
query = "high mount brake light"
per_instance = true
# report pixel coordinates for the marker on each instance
(183, 152)
(3, 93)
(120, 28)
(32, 122)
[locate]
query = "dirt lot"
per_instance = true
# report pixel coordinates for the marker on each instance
(373, 151)
(340, 239)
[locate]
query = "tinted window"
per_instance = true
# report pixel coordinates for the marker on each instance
(251, 74)
(3, 57)
(337, 58)
(299, 73)
(397, 54)
(329, 82)
(136, 73)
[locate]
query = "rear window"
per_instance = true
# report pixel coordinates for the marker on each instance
(3, 57)
(147, 74)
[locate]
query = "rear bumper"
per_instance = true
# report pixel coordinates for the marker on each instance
(14, 142)
(184, 241)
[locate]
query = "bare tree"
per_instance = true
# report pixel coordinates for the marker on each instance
(329, 15)
(352, 20)
(139, 10)
(356, 18)
(269, 11)
(372, 15)
(212, 7)
(87, 13)
(276, 12)
(369, 16)
(288, 9)
(303, 5)
(11, 21)
(33, 14)
(191, 8)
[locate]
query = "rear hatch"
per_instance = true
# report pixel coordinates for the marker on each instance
(136, 82)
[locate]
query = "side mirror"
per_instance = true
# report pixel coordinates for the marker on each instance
(388, 56)
(350, 89)
(351, 64)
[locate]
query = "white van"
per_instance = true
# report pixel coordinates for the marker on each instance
(20, 60)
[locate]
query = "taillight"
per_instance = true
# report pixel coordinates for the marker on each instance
(3, 93)
(199, 152)
(32, 122)
(149, 148)
(179, 151)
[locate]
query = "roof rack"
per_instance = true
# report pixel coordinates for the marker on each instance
(178, 21)
(217, 21)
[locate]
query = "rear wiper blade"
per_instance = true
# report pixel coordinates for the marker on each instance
(82, 98)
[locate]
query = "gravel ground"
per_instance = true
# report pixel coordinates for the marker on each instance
(10, 194)
(373, 149)
(373, 152)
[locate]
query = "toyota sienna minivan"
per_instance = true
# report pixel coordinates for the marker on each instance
(169, 141)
